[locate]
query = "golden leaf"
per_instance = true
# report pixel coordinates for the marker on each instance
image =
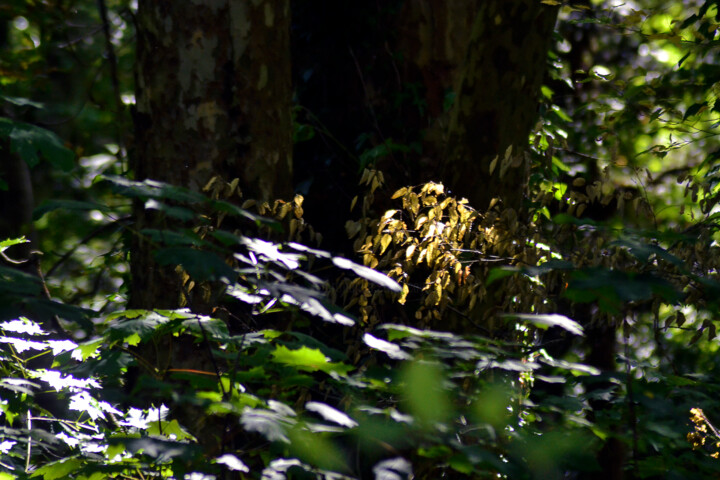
(399, 193)
(430, 253)
(430, 231)
(421, 255)
(493, 164)
(233, 185)
(248, 203)
(353, 202)
(385, 242)
(374, 184)
(367, 259)
(409, 252)
(221, 217)
(444, 204)
(414, 203)
(284, 210)
(209, 184)
(404, 294)
(388, 215)
(429, 200)
(473, 300)
(419, 222)
(431, 214)
(551, 2)
(365, 177)
(432, 299)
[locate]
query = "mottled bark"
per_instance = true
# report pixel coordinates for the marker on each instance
(497, 100)
(213, 95)
(433, 37)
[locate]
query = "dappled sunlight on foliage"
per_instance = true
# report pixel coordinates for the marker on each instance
(157, 321)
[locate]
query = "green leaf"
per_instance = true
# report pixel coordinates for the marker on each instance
(28, 140)
(89, 349)
(134, 329)
(693, 110)
(167, 428)
(160, 450)
(154, 189)
(201, 265)
(22, 102)
(67, 205)
(5, 244)
(424, 392)
(181, 213)
(60, 469)
(500, 273)
(643, 251)
(172, 237)
(308, 359)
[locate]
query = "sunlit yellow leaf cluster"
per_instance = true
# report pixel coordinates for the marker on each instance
(440, 250)
(704, 433)
(288, 213)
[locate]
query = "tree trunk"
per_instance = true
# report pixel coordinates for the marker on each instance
(496, 101)
(213, 95)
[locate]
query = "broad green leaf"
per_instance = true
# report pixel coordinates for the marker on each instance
(67, 205)
(160, 450)
(154, 189)
(136, 329)
(28, 141)
(424, 392)
(168, 429)
(201, 265)
(499, 273)
(59, 469)
(308, 359)
(89, 349)
(172, 237)
(317, 449)
(181, 213)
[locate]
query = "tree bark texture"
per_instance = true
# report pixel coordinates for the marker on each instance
(433, 37)
(497, 101)
(213, 97)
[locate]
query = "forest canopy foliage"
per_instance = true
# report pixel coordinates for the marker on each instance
(383, 320)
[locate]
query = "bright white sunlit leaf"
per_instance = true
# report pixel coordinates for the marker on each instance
(59, 346)
(232, 462)
(331, 414)
(58, 381)
(392, 350)
(22, 325)
(6, 445)
(21, 345)
(551, 320)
